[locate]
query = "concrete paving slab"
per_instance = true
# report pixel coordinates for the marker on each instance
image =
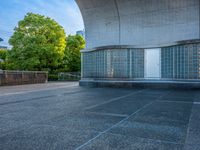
(192, 147)
(159, 121)
(121, 142)
(44, 137)
(122, 107)
(193, 135)
(152, 131)
(166, 113)
(84, 121)
(99, 118)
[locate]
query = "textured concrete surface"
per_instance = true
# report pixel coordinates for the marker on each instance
(141, 23)
(156, 84)
(65, 116)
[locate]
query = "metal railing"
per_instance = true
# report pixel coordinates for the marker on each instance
(69, 76)
(22, 77)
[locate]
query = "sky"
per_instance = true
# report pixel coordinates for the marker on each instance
(65, 12)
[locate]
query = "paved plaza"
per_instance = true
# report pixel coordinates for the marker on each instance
(64, 116)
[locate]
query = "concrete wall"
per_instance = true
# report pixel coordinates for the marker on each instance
(141, 23)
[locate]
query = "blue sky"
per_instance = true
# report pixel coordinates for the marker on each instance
(65, 12)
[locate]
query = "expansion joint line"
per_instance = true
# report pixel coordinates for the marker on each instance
(115, 125)
(119, 20)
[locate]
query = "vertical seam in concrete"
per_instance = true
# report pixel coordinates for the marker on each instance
(199, 18)
(119, 19)
(130, 58)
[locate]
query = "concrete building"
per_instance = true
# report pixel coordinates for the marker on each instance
(131, 42)
(81, 33)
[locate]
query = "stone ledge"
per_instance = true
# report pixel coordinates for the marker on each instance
(154, 84)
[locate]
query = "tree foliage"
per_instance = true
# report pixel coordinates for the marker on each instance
(72, 58)
(3, 54)
(3, 58)
(38, 44)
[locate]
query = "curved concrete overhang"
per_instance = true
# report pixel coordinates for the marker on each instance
(142, 23)
(116, 47)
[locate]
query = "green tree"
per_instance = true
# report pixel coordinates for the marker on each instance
(3, 58)
(3, 54)
(38, 44)
(72, 58)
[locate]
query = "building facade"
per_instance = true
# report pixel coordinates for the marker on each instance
(137, 41)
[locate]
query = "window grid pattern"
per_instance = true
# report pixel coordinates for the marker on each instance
(181, 62)
(88, 65)
(137, 63)
(167, 63)
(118, 66)
(113, 63)
(177, 62)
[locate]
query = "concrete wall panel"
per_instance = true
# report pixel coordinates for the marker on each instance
(101, 22)
(141, 23)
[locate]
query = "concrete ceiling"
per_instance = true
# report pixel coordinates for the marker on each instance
(141, 23)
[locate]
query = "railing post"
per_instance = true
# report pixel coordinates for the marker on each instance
(1, 74)
(36, 77)
(22, 79)
(46, 77)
